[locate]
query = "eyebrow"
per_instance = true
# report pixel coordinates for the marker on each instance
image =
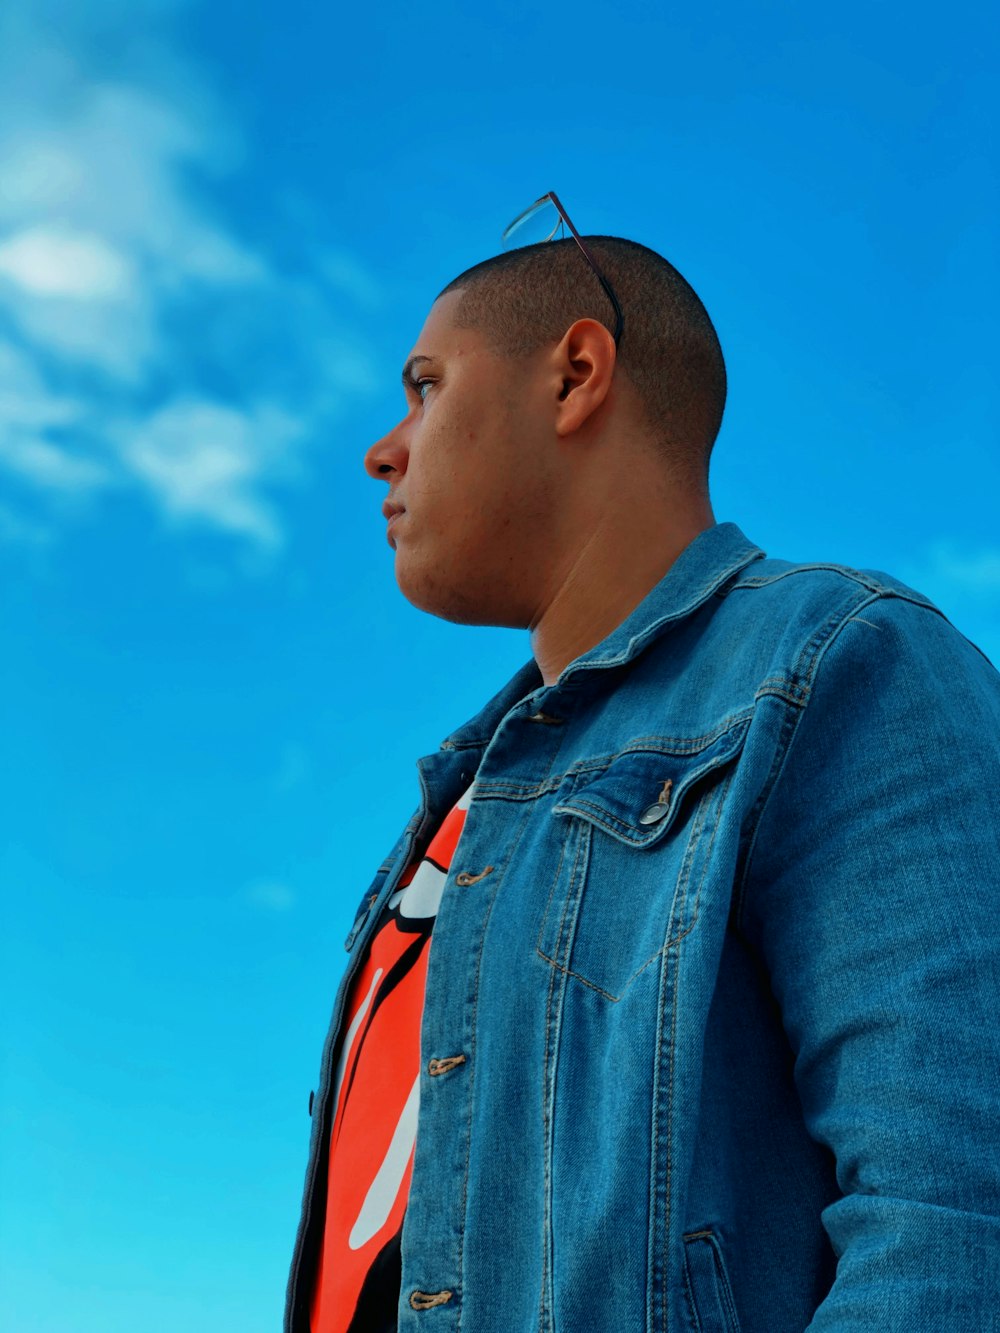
(408, 370)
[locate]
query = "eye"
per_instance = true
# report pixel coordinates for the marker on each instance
(420, 386)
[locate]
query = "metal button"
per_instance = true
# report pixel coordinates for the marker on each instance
(653, 813)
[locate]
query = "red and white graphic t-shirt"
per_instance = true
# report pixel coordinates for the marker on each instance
(376, 1101)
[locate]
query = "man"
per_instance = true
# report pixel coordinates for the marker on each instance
(674, 1006)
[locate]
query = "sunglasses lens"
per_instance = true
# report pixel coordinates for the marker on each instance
(538, 223)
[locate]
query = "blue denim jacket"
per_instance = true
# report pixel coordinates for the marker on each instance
(720, 947)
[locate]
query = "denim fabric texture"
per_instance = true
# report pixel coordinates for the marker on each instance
(720, 947)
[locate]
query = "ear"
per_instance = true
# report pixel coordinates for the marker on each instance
(585, 362)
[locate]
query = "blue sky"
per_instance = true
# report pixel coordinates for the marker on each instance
(220, 230)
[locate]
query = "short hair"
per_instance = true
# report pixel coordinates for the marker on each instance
(669, 350)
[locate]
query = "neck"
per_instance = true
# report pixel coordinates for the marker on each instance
(627, 550)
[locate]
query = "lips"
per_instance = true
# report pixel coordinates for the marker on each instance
(390, 508)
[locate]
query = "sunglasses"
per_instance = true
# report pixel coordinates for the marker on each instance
(540, 222)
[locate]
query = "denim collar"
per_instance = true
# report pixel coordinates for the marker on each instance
(714, 557)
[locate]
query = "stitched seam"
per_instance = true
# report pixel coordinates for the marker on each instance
(796, 689)
(568, 971)
(546, 1207)
(546, 1174)
(472, 1076)
(786, 734)
(694, 603)
(689, 1292)
(548, 1105)
(548, 905)
(670, 1117)
(656, 1254)
(820, 642)
(570, 899)
(680, 889)
(653, 743)
(726, 1289)
(845, 571)
(611, 823)
(720, 801)
(694, 838)
(815, 649)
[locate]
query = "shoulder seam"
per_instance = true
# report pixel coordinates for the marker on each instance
(844, 571)
(806, 670)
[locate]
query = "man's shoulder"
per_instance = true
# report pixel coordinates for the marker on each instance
(799, 610)
(820, 581)
(813, 600)
(778, 620)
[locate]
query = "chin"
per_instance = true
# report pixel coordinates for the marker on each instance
(461, 603)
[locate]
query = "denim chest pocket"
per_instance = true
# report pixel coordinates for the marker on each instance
(636, 839)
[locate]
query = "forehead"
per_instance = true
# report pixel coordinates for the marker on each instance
(441, 336)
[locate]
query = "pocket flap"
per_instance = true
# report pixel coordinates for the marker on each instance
(636, 796)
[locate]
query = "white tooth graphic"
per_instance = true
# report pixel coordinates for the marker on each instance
(385, 1187)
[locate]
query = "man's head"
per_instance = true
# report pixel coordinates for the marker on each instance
(530, 441)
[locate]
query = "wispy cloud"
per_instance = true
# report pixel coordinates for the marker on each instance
(202, 459)
(16, 527)
(947, 569)
(54, 261)
(978, 572)
(964, 581)
(127, 296)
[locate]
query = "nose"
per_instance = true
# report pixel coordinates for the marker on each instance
(388, 455)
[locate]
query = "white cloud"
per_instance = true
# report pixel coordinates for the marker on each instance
(45, 464)
(26, 400)
(29, 409)
(131, 297)
(202, 460)
(50, 261)
(344, 274)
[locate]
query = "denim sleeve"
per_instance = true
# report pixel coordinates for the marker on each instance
(873, 892)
